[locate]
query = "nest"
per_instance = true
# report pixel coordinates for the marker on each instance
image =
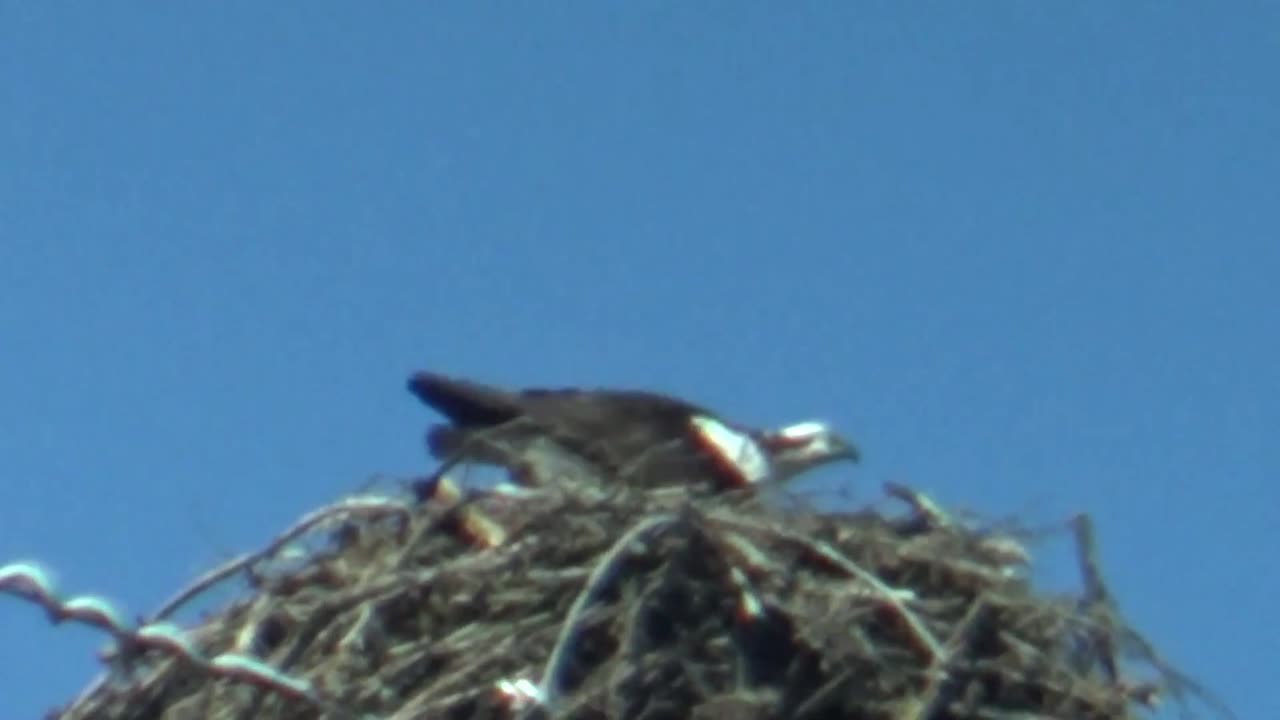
(593, 600)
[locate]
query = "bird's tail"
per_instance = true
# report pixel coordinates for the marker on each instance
(463, 402)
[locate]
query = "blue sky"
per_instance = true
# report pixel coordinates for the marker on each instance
(1026, 254)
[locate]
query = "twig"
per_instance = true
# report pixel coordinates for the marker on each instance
(373, 505)
(549, 686)
(1096, 595)
(926, 509)
(886, 594)
(939, 671)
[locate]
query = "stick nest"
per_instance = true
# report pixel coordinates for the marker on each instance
(592, 600)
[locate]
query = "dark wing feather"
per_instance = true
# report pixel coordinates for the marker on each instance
(465, 403)
(613, 428)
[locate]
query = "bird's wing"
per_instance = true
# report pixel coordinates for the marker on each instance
(613, 428)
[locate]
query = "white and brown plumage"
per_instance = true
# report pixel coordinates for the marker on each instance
(643, 436)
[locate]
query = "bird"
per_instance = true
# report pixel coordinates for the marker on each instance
(646, 438)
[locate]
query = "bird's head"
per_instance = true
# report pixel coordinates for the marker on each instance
(774, 455)
(797, 448)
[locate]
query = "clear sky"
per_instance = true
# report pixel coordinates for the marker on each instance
(1026, 254)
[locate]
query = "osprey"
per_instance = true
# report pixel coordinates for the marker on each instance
(642, 437)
